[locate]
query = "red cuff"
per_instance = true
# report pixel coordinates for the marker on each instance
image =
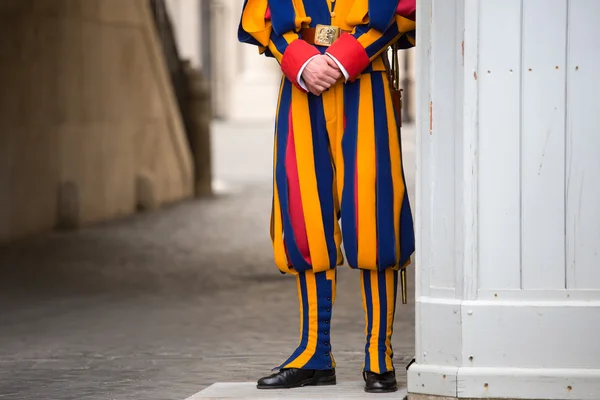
(294, 57)
(351, 54)
(407, 9)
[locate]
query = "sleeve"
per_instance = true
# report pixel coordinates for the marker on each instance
(385, 22)
(274, 31)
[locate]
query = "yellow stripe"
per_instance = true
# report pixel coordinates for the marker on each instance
(306, 355)
(299, 286)
(301, 18)
(366, 164)
(334, 113)
(395, 164)
(364, 301)
(277, 227)
(289, 38)
(275, 159)
(373, 346)
(339, 165)
(389, 290)
(331, 276)
(338, 155)
(405, 24)
(275, 52)
(308, 182)
(253, 21)
(369, 37)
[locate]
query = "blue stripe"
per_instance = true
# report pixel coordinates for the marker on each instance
(298, 261)
(322, 358)
(407, 232)
(383, 41)
(381, 347)
(386, 234)
(245, 37)
(369, 304)
(283, 16)
(381, 13)
(305, 305)
(324, 173)
(404, 43)
(279, 41)
(348, 208)
(268, 53)
(318, 12)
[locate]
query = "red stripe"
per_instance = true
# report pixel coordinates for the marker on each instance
(407, 9)
(295, 198)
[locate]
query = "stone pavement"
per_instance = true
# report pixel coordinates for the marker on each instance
(248, 391)
(164, 304)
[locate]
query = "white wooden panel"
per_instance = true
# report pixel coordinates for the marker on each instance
(583, 146)
(423, 207)
(432, 379)
(540, 295)
(497, 383)
(543, 144)
(529, 334)
(459, 196)
(499, 143)
(442, 124)
(467, 181)
(442, 293)
(440, 332)
(520, 383)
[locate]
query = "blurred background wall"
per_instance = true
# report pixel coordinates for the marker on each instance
(106, 105)
(244, 86)
(89, 129)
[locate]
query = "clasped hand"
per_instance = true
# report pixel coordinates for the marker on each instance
(320, 74)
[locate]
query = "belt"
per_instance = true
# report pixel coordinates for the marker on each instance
(322, 35)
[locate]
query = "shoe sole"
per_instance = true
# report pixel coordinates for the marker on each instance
(321, 381)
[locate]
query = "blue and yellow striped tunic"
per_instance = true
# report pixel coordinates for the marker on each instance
(337, 156)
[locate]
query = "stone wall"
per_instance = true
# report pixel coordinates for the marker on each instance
(89, 129)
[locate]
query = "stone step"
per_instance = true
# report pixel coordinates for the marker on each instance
(248, 391)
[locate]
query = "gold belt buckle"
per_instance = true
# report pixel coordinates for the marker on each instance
(325, 35)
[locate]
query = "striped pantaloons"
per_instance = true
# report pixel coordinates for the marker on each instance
(337, 158)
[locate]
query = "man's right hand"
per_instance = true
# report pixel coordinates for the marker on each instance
(320, 74)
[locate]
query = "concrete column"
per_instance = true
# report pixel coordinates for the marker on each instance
(89, 126)
(185, 15)
(508, 278)
(255, 81)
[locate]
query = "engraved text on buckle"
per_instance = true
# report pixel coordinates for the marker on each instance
(325, 35)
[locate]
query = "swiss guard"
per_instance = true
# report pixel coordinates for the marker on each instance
(337, 160)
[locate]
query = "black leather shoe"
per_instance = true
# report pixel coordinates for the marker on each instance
(289, 378)
(380, 383)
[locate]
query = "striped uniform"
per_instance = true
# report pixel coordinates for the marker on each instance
(337, 158)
